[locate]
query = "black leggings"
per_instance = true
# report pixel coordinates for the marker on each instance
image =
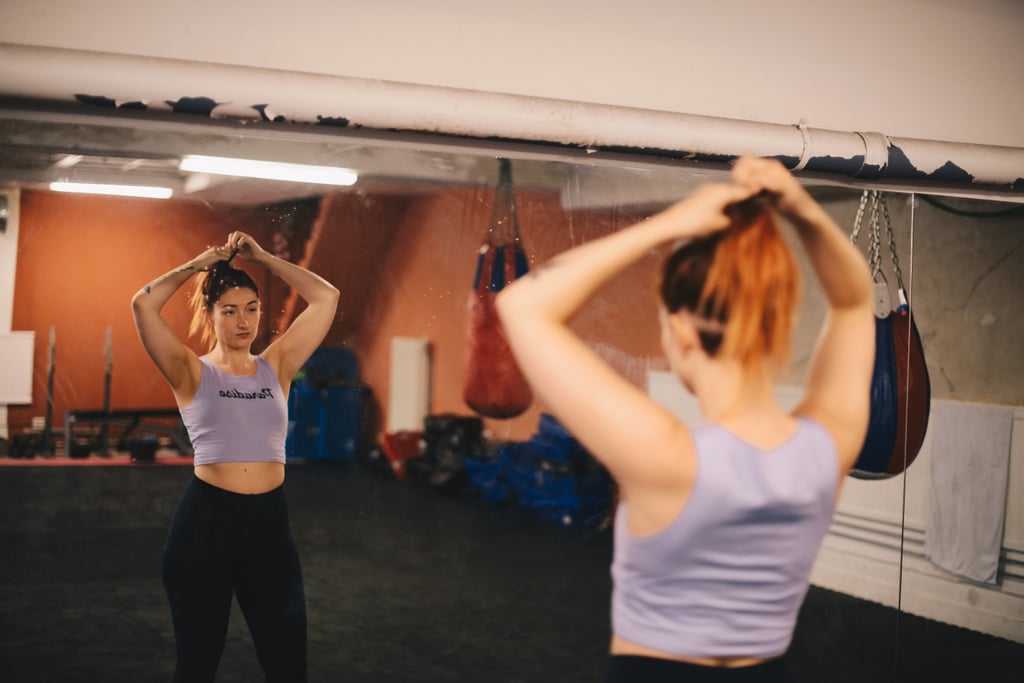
(223, 543)
(630, 668)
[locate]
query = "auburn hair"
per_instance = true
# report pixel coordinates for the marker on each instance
(742, 284)
(210, 286)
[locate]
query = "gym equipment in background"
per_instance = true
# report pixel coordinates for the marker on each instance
(900, 386)
(448, 441)
(103, 447)
(46, 446)
(551, 474)
(326, 407)
(494, 386)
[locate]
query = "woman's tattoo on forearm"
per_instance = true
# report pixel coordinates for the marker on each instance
(184, 269)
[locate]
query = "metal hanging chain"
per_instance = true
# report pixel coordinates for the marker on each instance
(878, 212)
(892, 244)
(873, 259)
(873, 255)
(860, 216)
(875, 248)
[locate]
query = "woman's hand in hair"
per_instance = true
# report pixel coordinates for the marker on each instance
(208, 258)
(770, 176)
(706, 210)
(247, 247)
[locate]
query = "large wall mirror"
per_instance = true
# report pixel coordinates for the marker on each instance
(401, 244)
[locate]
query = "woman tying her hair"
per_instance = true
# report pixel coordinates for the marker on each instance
(230, 534)
(718, 526)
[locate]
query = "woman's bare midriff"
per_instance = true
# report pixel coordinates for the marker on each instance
(624, 647)
(242, 477)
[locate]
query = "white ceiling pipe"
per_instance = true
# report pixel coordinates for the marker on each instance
(243, 92)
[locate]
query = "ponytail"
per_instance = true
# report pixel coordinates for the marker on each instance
(742, 285)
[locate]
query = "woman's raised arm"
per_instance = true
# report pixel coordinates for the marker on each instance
(837, 391)
(176, 362)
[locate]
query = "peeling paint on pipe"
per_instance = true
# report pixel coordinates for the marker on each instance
(224, 91)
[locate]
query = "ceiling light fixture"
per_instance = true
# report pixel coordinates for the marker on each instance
(268, 170)
(148, 191)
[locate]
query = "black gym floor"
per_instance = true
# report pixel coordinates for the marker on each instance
(402, 584)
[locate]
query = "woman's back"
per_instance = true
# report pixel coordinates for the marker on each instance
(728, 574)
(730, 517)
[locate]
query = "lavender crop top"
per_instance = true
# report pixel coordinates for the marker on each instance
(237, 418)
(727, 577)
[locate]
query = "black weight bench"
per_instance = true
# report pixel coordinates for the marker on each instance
(131, 420)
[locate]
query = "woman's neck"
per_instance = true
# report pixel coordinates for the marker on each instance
(725, 391)
(239, 361)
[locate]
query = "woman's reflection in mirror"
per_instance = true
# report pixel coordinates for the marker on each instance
(230, 534)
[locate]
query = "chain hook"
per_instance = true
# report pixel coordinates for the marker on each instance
(875, 244)
(892, 249)
(860, 217)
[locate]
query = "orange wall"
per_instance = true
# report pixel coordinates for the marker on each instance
(404, 267)
(425, 278)
(80, 260)
(357, 231)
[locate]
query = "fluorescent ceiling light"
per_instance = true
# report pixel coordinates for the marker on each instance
(149, 191)
(268, 170)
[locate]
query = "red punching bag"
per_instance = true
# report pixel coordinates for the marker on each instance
(913, 390)
(494, 385)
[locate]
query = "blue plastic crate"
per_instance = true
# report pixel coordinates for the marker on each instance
(332, 367)
(324, 423)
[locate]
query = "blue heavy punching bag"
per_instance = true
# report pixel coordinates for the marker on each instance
(900, 386)
(876, 452)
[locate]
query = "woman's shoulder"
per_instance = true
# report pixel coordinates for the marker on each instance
(759, 431)
(268, 365)
(186, 393)
(811, 424)
(205, 365)
(839, 434)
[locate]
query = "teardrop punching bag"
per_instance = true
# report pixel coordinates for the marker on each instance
(494, 385)
(900, 386)
(914, 390)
